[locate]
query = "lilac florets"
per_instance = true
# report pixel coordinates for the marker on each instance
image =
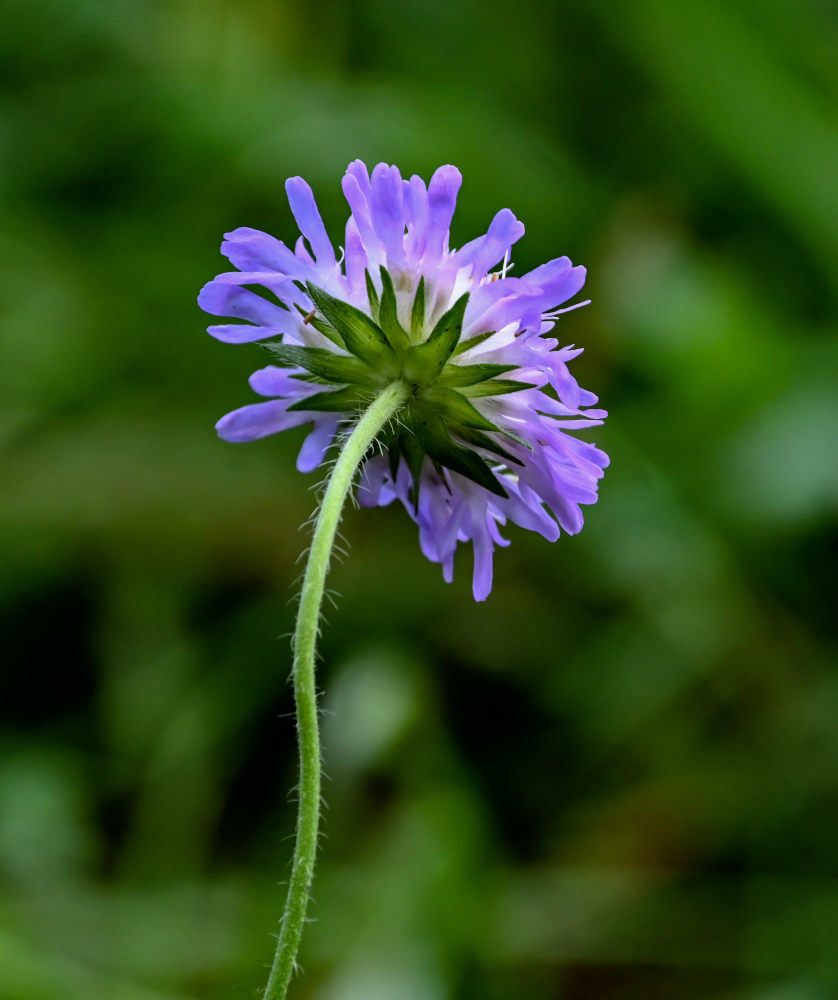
(485, 437)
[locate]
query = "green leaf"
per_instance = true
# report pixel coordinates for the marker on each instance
(495, 387)
(362, 337)
(459, 375)
(448, 404)
(430, 434)
(388, 315)
(324, 364)
(337, 401)
(417, 313)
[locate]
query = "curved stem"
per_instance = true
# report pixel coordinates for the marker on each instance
(371, 422)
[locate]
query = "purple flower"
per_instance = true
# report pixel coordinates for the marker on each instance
(486, 436)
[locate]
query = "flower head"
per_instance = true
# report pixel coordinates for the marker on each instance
(485, 436)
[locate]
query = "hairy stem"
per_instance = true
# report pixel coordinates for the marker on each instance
(382, 409)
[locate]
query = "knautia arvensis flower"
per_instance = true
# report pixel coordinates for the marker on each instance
(435, 358)
(484, 434)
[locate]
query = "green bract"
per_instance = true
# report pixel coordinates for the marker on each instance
(439, 418)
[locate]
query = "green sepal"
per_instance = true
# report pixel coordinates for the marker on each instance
(432, 437)
(321, 325)
(444, 337)
(372, 294)
(440, 471)
(481, 440)
(326, 365)
(417, 313)
(466, 345)
(338, 401)
(518, 440)
(388, 315)
(449, 405)
(495, 387)
(400, 445)
(312, 379)
(460, 375)
(415, 459)
(424, 362)
(362, 337)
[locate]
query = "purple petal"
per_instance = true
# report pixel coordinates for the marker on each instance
(357, 169)
(301, 251)
(494, 531)
(276, 283)
(565, 385)
(483, 551)
(442, 200)
(548, 484)
(558, 281)
(317, 444)
(387, 210)
(550, 271)
(273, 381)
(488, 250)
(304, 209)
(359, 203)
(259, 420)
(240, 333)
(374, 473)
(355, 259)
(416, 196)
(251, 250)
(221, 299)
(439, 516)
(577, 424)
(495, 304)
(525, 508)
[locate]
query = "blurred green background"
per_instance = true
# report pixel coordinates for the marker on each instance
(618, 779)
